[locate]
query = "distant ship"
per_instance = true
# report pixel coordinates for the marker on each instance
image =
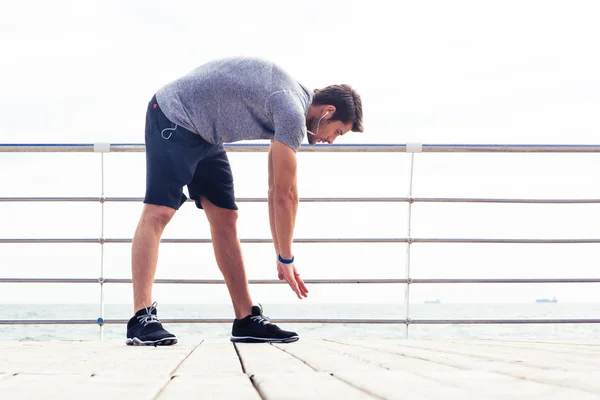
(552, 300)
(437, 301)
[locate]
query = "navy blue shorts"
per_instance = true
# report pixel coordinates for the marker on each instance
(176, 157)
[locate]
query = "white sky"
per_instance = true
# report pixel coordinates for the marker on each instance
(431, 72)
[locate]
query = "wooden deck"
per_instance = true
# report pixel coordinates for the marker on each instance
(357, 369)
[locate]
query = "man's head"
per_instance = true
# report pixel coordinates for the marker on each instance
(335, 110)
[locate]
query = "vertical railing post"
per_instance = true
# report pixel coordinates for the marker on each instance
(102, 148)
(410, 148)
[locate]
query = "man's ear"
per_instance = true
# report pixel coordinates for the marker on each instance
(329, 111)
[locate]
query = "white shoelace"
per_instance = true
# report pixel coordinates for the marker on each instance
(261, 319)
(149, 318)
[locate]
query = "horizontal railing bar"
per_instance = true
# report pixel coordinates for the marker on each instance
(55, 241)
(484, 200)
(48, 322)
(233, 147)
(307, 321)
(200, 281)
(500, 241)
(239, 200)
(505, 280)
(50, 280)
(338, 240)
(99, 240)
(509, 148)
(501, 321)
(317, 200)
(199, 321)
(311, 281)
(350, 147)
(49, 199)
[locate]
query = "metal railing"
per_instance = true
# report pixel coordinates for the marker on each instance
(411, 148)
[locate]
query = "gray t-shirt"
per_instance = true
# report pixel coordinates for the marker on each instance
(239, 98)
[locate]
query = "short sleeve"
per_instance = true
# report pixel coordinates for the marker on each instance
(289, 120)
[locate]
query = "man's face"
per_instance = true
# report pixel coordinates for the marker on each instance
(327, 131)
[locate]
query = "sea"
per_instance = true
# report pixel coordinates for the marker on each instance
(441, 311)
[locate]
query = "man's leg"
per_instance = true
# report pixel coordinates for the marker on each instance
(228, 253)
(144, 256)
(144, 328)
(172, 155)
(212, 188)
(250, 325)
(171, 159)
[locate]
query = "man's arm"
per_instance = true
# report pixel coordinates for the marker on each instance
(283, 197)
(283, 205)
(271, 199)
(289, 126)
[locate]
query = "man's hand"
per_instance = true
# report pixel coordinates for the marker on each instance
(288, 273)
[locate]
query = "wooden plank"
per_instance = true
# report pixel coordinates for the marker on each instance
(27, 357)
(333, 357)
(305, 385)
(524, 357)
(574, 342)
(555, 347)
(458, 384)
(579, 356)
(99, 358)
(321, 357)
(576, 380)
(394, 369)
(532, 356)
(148, 362)
(279, 375)
(77, 387)
(262, 357)
(511, 387)
(211, 358)
(428, 379)
(214, 387)
(409, 386)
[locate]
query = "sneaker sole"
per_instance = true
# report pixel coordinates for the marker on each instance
(251, 339)
(161, 342)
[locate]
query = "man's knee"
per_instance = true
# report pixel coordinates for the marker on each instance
(224, 219)
(157, 215)
(218, 217)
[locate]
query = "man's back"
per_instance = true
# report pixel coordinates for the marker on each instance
(237, 99)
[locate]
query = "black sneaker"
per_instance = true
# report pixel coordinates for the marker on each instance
(145, 329)
(256, 328)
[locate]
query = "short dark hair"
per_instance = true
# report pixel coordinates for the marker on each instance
(347, 103)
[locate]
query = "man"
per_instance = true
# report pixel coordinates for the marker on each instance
(187, 123)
